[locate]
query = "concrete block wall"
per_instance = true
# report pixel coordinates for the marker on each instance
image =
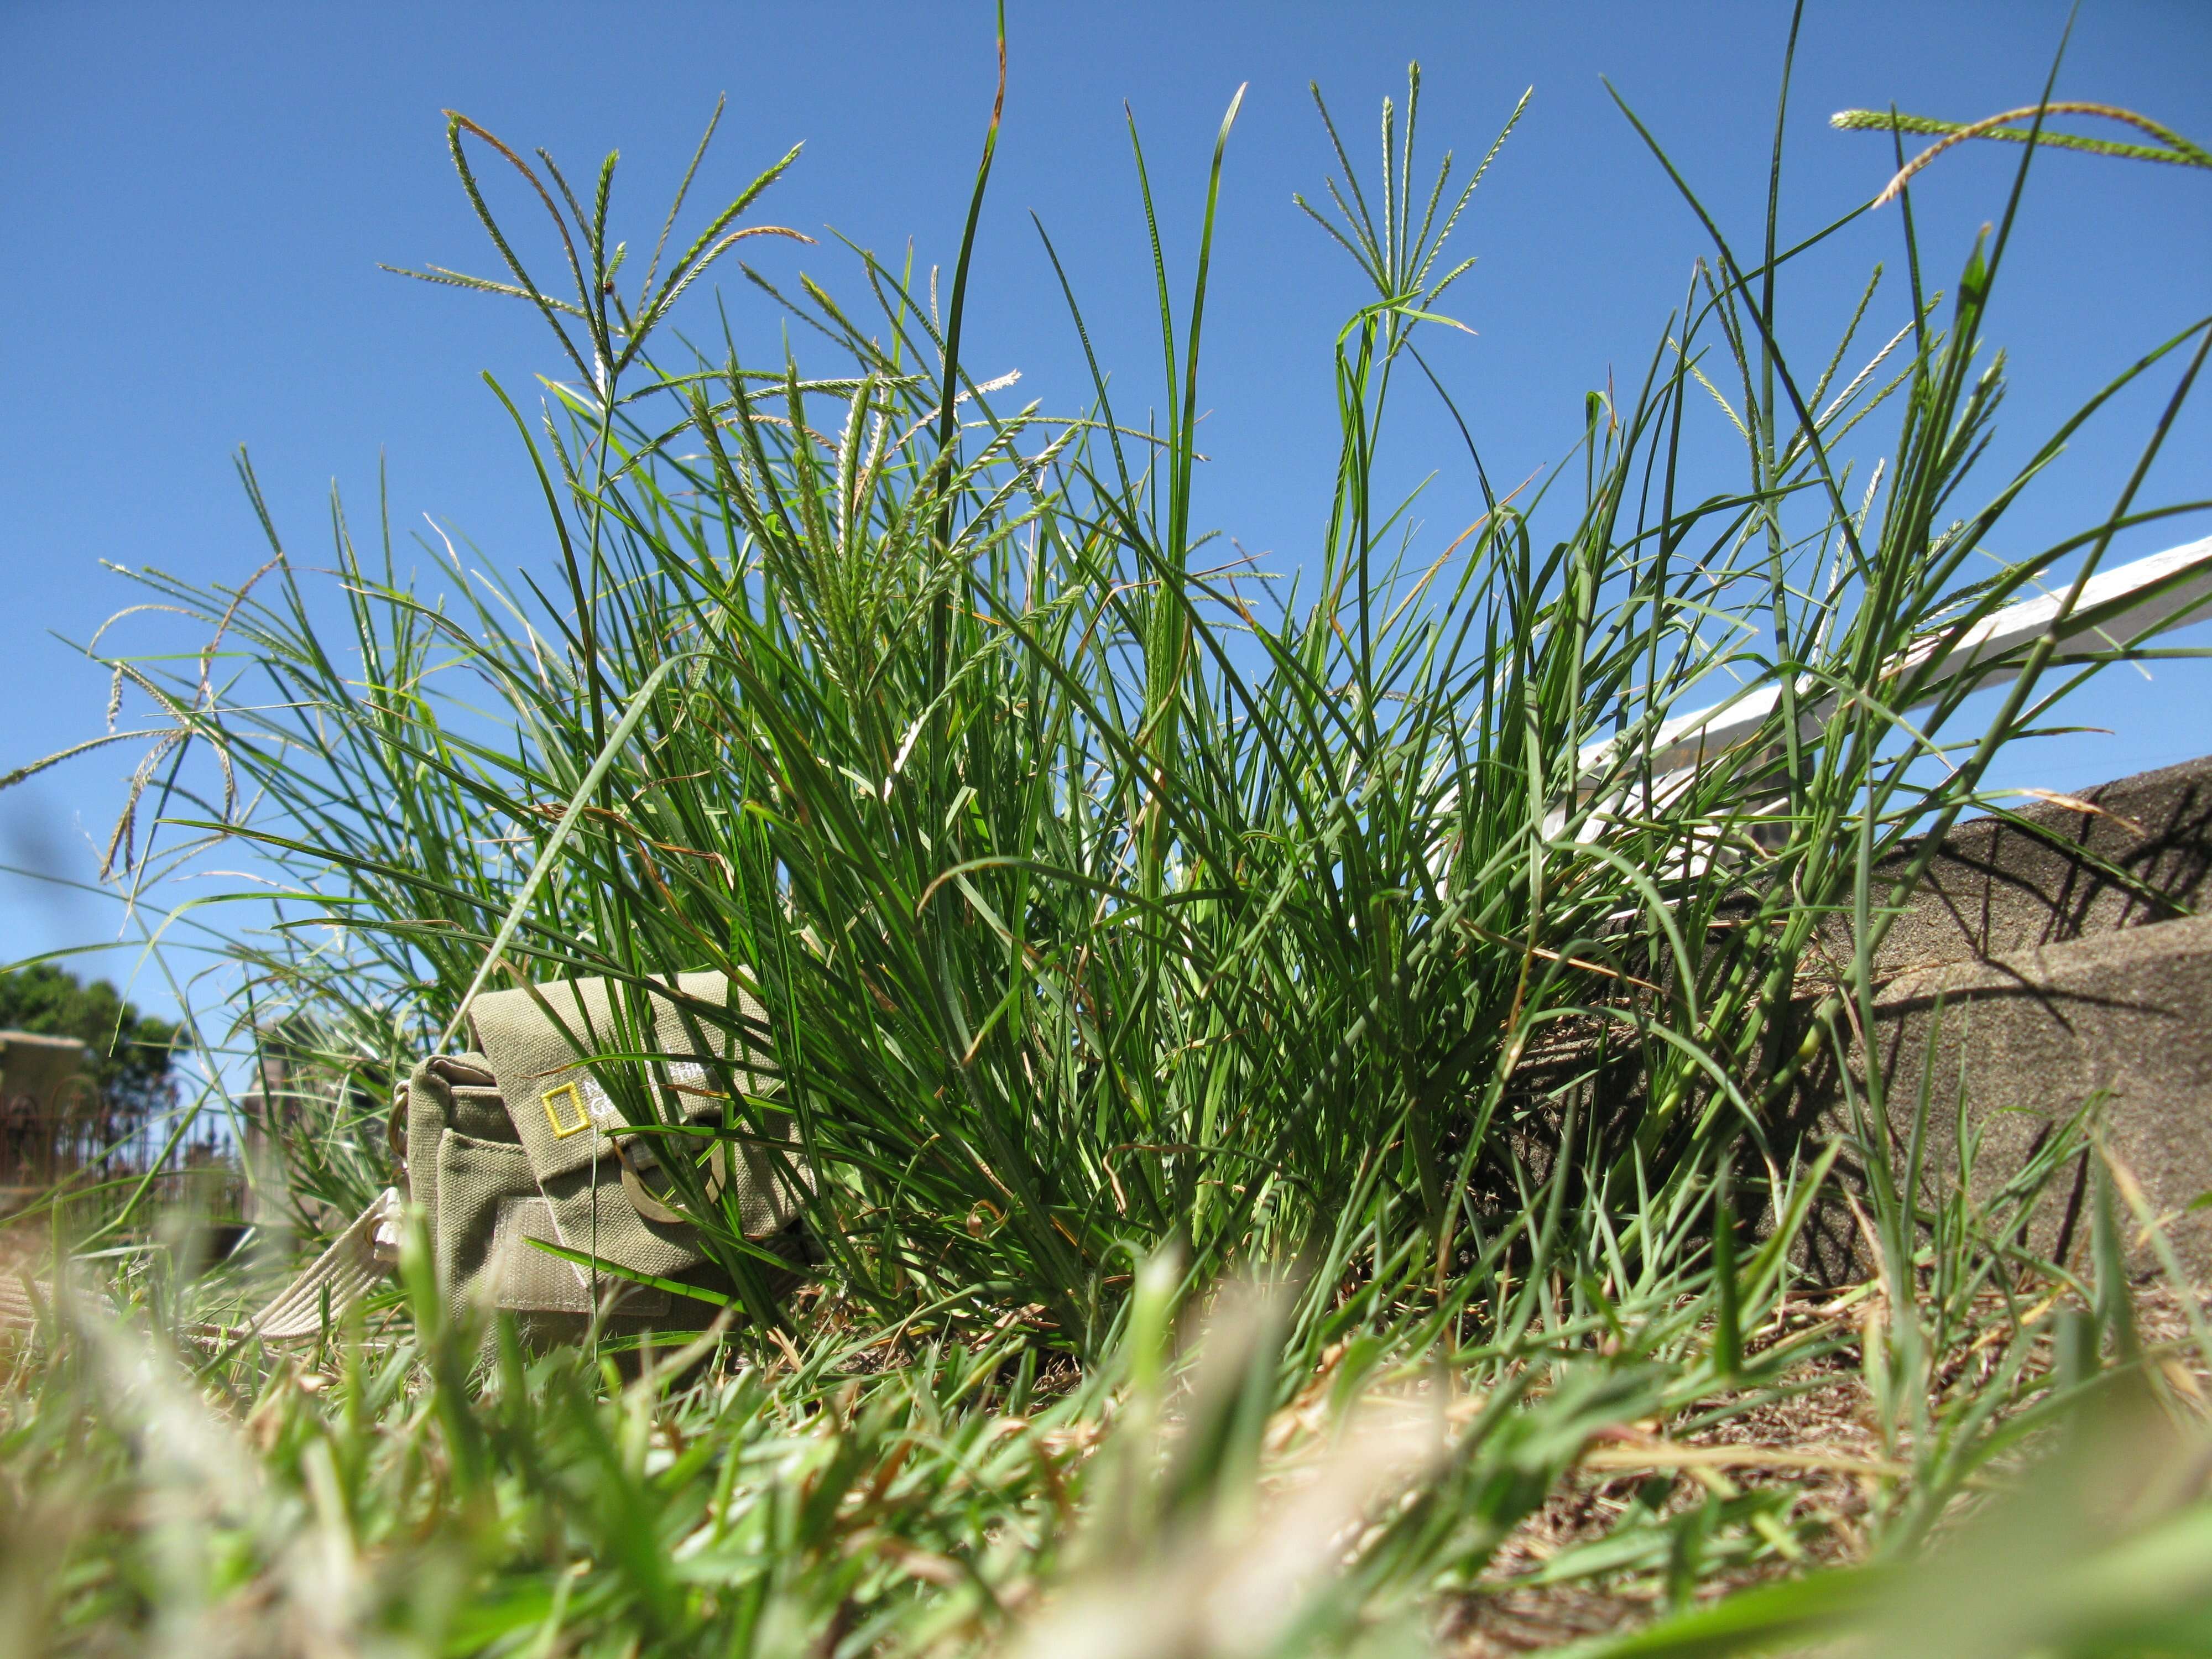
(2045, 966)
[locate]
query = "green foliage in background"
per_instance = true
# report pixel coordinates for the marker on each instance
(129, 1054)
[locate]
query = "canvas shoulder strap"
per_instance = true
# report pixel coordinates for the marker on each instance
(352, 1266)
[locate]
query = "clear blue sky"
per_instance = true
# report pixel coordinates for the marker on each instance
(197, 199)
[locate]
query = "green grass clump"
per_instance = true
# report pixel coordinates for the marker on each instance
(1126, 922)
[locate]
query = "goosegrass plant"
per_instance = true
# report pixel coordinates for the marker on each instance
(1099, 900)
(1121, 919)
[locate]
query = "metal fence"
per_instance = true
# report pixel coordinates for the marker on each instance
(58, 1130)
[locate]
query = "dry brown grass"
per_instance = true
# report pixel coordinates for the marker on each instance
(1818, 1446)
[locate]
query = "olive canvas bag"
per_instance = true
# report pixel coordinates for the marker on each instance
(520, 1139)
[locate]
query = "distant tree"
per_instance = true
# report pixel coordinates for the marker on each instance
(127, 1052)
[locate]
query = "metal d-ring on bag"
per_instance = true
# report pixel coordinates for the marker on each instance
(517, 1139)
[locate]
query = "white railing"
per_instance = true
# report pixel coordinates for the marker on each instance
(2116, 609)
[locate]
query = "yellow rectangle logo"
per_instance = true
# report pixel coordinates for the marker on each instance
(552, 1100)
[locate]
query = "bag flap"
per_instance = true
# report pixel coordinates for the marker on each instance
(535, 1037)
